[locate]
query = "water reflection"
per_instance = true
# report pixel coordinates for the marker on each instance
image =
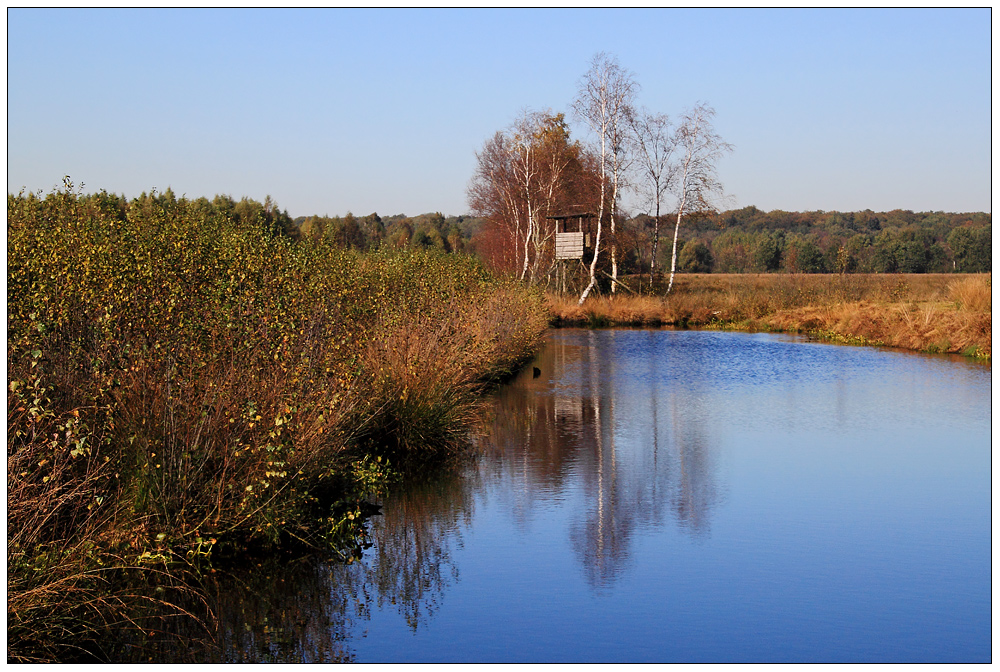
(412, 563)
(276, 610)
(636, 445)
(308, 609)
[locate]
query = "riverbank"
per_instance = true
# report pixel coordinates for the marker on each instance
(924, 312)
(184, 381)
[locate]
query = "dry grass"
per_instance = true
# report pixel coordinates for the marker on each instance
(926, 312)
(620, 310)
(925, 328)
(973, 293)
(68, 583)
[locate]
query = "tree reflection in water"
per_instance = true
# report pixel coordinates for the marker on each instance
(275, 610)
(307, 609)
(411, 563)
(635, 440)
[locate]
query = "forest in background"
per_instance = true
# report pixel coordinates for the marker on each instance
(745, 240)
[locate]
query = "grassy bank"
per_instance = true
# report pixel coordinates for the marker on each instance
(925, 312)
(183, 379)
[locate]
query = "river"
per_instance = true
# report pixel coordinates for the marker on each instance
(657, 496)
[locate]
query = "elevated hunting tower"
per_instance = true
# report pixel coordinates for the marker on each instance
(571, 244)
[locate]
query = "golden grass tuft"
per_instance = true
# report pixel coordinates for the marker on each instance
(923, 328)
(973, 293)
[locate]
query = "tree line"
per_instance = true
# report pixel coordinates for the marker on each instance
(400, 232)
(535, 169)
(749, 240)
(744, 240)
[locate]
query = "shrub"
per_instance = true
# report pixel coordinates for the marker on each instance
(181, 370)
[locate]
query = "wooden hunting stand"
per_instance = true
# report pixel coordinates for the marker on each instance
(571, 244)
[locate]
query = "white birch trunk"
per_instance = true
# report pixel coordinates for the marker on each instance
(600, 219)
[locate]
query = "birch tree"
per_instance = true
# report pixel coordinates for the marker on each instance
(604, 102)
(545, 157)
(524, 175)
(699, 148)
(654, 144)
(525, 168)
(494, 194)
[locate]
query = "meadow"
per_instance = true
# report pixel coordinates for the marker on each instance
(947, 313)
(186, 382)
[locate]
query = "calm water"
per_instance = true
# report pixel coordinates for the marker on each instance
(667, 496)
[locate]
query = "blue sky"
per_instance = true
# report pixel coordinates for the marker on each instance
(330, 111)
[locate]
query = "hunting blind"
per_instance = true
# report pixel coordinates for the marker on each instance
(570, 244)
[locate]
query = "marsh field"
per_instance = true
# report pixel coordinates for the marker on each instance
(188, 388)
(932, 312)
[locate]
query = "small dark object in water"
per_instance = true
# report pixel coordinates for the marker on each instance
(537, 372)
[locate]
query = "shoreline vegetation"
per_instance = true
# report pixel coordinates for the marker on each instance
(185, 383)
(932, 313)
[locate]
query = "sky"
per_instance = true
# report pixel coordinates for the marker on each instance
(366, 110)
